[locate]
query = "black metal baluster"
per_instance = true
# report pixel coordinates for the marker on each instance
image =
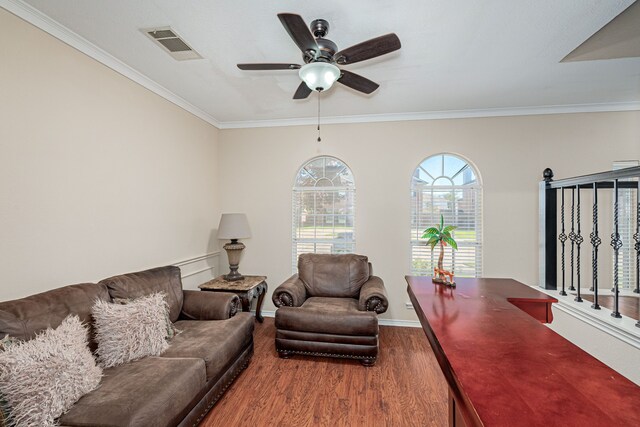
(594, 246)
(595, 242)
(616, 244)
(579, 240)
(572, 235)
(563, 238)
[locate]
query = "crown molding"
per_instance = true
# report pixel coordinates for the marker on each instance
(59, 31)
(440, 115)
(62, 33)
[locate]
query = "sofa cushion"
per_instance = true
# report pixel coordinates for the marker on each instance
(130, 331)
(338, 316)
(24, 317)
(217, 342)
(153, 391)
(326, 275)
(42, 378)
(160, 279)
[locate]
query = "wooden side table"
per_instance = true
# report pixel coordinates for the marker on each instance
(247, 289)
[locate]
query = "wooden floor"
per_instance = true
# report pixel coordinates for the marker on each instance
(404, 388)
(628, 305)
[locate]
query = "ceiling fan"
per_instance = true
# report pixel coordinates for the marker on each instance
(322, 57)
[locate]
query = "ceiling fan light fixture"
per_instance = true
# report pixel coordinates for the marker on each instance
(319, 76)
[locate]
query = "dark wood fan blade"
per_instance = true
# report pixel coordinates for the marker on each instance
(299, 32)
(302, 92)
(257, 67)
(357, 82)
(369, 49)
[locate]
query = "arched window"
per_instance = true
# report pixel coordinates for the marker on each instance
(323, 208)
(447, 185)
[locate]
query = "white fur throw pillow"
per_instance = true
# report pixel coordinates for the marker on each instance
(126, 332)
(42, 378)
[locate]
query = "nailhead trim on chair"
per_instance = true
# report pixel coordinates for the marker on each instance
(375, 304)
(284, 299)
(314, 353)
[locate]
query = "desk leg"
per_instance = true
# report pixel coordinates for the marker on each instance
(455, 416)
(262, 291)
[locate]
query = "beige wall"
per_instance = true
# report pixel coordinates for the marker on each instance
(98, 176)
(258, 167)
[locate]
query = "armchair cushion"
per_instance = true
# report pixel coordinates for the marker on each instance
(201, 305)
(373, 296)
(291, 293)
(329, 316)
(333, 275)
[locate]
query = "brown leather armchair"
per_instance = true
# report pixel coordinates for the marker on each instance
(330, 308)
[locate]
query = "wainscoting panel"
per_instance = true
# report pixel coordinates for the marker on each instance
(198, 270)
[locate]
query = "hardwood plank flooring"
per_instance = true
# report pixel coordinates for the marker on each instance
(628, 305)
(404, 388)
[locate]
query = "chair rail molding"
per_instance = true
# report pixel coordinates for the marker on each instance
(193, 269)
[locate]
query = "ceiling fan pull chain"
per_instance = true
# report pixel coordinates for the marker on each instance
(319, 93)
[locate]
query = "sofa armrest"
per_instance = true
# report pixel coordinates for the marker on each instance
(203, 305)
(291, 293)
(373, 296)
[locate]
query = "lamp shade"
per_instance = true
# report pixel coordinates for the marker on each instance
(319, 75)
(234, 226)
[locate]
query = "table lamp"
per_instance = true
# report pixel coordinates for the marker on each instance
(234, 226)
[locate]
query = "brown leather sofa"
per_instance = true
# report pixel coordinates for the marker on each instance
(176, 388)
(330, 308)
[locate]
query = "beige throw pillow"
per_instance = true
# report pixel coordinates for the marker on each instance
(172, 331)
(126, 332)
(42, 378)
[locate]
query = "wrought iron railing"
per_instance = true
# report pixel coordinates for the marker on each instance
(551, 214)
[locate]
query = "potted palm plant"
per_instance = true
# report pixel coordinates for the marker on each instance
(441, 235)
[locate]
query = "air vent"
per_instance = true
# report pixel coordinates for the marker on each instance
(172, 43)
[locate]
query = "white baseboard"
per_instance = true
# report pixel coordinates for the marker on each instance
(623, 328)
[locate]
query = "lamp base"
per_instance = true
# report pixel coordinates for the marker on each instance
(233, 275)
(234, 251)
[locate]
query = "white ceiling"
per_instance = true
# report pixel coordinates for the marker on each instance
(456, 55)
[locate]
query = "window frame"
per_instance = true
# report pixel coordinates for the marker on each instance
(416, 227)
(299, 191)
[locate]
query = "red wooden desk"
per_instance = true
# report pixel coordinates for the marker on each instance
(505, 368)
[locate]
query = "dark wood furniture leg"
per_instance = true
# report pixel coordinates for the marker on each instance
(262, 291)
(284, 354)
(246, 302)
(368, 362)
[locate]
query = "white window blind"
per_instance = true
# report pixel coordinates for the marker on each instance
(447, 185)
(627, 207)
(323, 208)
